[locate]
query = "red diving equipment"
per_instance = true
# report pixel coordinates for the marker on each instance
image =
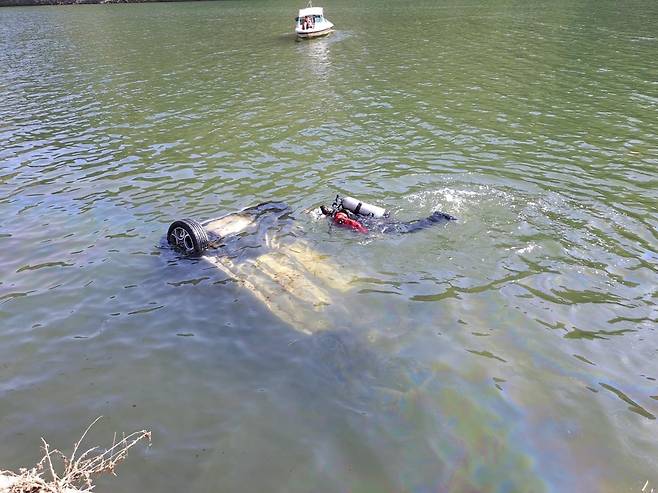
(342, 219)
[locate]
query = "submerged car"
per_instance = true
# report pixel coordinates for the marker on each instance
(259, 248)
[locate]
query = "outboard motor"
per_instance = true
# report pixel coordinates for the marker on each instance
(361, 208)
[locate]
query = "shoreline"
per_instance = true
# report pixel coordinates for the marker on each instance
(39, 3)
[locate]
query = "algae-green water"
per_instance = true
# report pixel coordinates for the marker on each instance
(513, 350)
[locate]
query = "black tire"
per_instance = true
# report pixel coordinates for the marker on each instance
(188, 236)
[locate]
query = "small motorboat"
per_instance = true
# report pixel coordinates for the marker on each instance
(311, 23)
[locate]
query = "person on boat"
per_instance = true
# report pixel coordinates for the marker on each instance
(364, 224)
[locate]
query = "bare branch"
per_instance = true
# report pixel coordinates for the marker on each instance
(78, 473)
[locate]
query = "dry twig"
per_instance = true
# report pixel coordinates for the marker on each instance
(78, 471)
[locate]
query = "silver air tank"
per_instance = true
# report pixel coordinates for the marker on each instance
(363, 208)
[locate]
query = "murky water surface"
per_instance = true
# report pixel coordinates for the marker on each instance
(513, 350)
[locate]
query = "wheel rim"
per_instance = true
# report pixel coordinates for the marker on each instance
(183, 239)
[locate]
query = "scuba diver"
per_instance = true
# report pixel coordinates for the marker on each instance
(351, 213)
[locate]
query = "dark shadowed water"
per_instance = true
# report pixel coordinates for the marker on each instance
(514, 350)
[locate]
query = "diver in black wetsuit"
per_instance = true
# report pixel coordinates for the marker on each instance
(364, 224)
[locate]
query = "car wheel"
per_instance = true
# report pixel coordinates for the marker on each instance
(188, 236)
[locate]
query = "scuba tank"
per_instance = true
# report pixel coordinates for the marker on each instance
(362, 208)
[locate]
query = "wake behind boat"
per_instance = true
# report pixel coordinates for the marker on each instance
(311, 23)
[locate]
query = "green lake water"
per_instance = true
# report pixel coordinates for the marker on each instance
(512, 351)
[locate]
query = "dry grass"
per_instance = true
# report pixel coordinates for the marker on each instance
(76, 473)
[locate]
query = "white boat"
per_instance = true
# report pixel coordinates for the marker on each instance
(311, 23)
